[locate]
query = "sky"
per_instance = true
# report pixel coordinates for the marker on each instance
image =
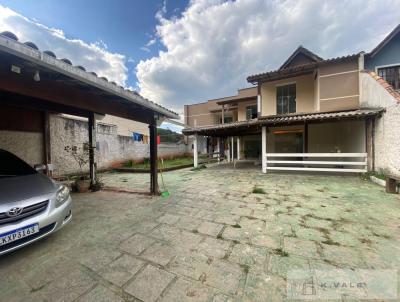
(178, 52)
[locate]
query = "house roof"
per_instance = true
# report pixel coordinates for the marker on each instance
(29, 52)
(385, 41)
(244, 126)
(297, 70)
(389, 88)
(298, 52)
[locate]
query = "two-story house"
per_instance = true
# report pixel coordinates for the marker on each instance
(313, 114)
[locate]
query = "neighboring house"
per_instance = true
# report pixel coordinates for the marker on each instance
(313, 114)
(384, 59)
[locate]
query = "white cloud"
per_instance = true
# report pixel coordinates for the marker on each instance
(214, 45)
(92, 56)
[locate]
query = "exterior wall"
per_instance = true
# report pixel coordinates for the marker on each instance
(387, 146)
(387, 128)
(125, 126)
(388, 55)
(200, 115)
(339, 86)
(26, 145)
(304, 94)
(21, 132)
(242, 109)
(111, 147)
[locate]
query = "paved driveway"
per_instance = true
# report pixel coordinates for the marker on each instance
(212, 240)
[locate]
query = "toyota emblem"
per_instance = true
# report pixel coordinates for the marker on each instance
(14, 212)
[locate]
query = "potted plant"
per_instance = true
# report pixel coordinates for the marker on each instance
(81, 156)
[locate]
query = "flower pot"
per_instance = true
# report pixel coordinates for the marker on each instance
(82, 185)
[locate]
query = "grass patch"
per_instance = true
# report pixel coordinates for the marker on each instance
(219, 236)
(281, 252)
(257, 190)
(237, 226)
(168, 163)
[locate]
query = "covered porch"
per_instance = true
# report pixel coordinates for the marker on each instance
(320, 142)
(35, 84)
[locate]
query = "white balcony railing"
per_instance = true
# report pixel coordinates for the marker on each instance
(323, 162)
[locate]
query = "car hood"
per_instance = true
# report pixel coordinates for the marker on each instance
(24, 187)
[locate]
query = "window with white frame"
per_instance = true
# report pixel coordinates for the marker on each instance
(391, 75)
(286, 99)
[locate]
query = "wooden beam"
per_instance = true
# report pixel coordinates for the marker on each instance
(154, 190)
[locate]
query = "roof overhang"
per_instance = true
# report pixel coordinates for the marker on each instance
(297, 70)
(254, 126)
(58, 73)
(384, 42)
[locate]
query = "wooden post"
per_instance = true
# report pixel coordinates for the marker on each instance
(47, 143)
(92, 147)
(369, 142)
(264, 148)
(238, 147)
(195, 152)
(153, 157)
(223, 115)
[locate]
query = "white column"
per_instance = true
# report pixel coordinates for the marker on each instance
(195, 153)
(238, 147)
(264, 149)
(219, 150)
(232, 149)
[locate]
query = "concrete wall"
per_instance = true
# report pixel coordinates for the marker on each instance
(387, 127)
(111, 147)
(200, 115)
(304, 94)
(388, 55)
(26, 145)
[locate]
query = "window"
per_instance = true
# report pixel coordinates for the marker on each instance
(391, 75)
(286, 99)
(251, 112)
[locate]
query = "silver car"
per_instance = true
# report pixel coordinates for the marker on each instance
(32, 205)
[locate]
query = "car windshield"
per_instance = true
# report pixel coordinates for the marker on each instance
(10, 166)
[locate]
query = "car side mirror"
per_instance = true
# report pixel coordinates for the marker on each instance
(39, 167)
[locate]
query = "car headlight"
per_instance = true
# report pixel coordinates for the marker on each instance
(62, 195)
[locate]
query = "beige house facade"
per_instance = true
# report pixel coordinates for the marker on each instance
(312, 114)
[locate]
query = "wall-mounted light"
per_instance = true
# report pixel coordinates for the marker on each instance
(36, 76)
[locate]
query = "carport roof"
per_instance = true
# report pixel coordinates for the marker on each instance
(29, 53)
(246, 127)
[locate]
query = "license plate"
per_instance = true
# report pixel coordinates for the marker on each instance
(17, 234)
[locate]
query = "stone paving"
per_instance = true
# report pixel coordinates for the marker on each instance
(211, 240)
